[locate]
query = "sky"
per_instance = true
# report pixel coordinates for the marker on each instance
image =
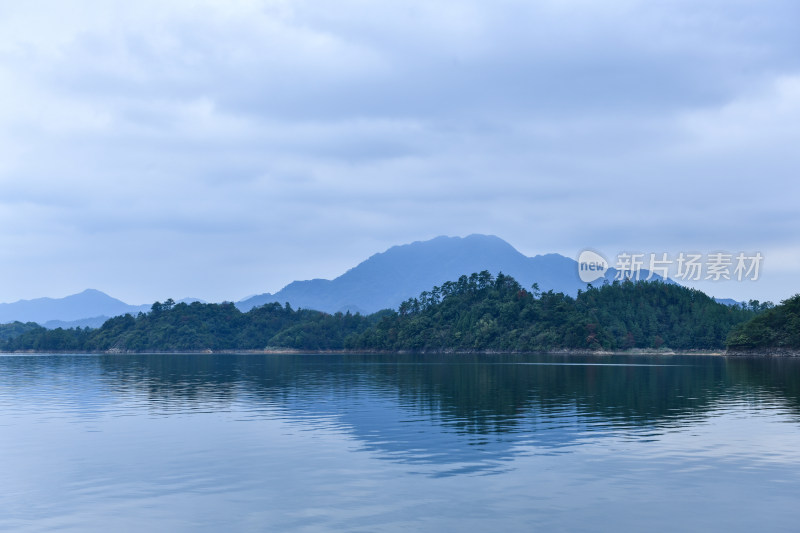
(218, 149)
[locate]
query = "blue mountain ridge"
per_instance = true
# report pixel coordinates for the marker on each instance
(86, 304)
(382, 281)
(388, 278)
(89, 308)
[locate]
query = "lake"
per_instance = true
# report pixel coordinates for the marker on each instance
(398, 443)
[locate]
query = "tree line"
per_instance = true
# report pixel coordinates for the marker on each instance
(777, 328)
(480, 312)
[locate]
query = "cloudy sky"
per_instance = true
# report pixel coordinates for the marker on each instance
(217, 149)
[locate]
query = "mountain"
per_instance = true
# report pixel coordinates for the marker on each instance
(91, 322)
(479, 312)
(89, 303)
(728, 301)
(387, 279)
(382, 281)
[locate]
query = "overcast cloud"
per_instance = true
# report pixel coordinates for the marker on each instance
(156, 149)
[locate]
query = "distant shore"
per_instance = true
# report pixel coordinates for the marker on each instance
(762, 352)
(776, 352)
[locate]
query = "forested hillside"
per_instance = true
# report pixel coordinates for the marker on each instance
(486, 313)
(14, 329)
(475, 313)
(777, 328)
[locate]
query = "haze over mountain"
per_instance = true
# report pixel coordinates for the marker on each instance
(89, 308)
(91, 322)
(382, 281)
(87, 304)
(387, 279)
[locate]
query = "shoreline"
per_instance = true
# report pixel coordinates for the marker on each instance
(765, 352)
(294, 351)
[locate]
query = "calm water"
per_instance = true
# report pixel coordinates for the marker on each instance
(398, 443)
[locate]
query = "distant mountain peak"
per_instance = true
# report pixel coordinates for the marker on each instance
(79, 306)
(92, 291)
(387, 278)
(384, 280)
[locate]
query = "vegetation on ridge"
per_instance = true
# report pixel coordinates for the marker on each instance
(17, 328)
(474, 313)
(777, 328)
(481, 312)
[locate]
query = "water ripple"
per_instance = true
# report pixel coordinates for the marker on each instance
(275, 440)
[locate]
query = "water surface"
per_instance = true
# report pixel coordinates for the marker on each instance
(398, 443)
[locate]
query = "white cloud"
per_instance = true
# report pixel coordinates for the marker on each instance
(217, 149)
(763, 122)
